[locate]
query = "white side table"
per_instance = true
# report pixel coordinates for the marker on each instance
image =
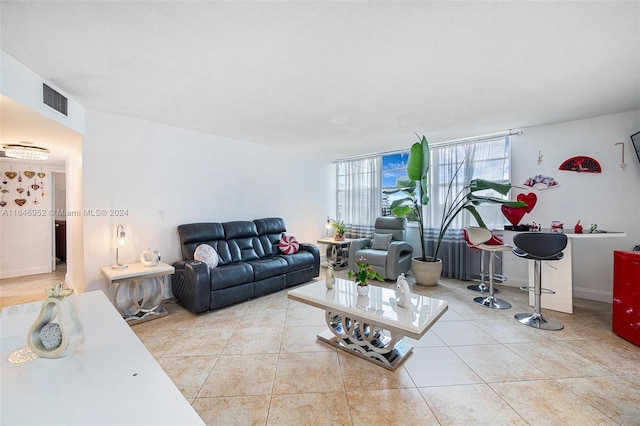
(144, 289)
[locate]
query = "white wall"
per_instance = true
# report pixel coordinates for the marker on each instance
(23, 85)
(610, 199)
(164, 176)
(26, 246)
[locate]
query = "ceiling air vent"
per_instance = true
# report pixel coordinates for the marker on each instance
(54, 99)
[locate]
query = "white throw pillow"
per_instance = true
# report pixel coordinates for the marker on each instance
(207, 254)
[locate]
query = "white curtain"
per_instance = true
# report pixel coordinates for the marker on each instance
(359, 195)
(480, 160)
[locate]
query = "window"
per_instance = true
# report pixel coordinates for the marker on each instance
(361, 182)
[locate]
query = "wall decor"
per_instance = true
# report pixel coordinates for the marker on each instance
(25, 193)
(541, 180)
(581, 163)
(623, 165)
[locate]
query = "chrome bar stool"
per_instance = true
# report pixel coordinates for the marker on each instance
(482, 287)
(539, 246)
(479, 238)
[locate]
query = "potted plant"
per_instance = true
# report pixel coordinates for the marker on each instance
(341, 228)
(426, 269)
(365, 272)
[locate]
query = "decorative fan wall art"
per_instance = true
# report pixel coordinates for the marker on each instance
(581, 163)
(547, 181)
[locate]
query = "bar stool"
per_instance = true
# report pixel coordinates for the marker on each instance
(482, 287)
(539, 246)
(479, 238)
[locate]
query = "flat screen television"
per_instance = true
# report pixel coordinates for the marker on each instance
(635, 141)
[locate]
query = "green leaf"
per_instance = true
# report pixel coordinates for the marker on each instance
(482, 184)
(414, 164)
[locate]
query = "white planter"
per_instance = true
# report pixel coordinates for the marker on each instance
(426, 273)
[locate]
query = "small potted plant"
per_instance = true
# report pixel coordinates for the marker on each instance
(365, 272)
(341, 228)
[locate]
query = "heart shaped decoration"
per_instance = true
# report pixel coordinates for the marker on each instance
(34, 186)
(513, 214)
(20, 201)
(29, 174)
(41, 175)
(3, 203)
(530, 199)
(10, 175)
(5, 191)
(20, 190)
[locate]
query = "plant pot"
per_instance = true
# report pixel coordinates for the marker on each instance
(426, 273)
(338, 237)
(362, 290)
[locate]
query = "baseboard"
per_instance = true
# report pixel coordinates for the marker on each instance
(24, 272)
(593, 294)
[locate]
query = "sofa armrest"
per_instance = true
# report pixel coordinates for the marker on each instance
(316, 256)
(398, 248)
(191, 285)
(357, 244)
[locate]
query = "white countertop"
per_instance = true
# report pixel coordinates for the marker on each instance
(110, 378)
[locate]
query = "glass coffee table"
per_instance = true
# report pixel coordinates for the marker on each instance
(371, 327)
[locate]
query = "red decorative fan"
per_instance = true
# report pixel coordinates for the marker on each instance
(581, 163)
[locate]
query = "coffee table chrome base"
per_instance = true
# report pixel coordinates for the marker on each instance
(538, 321)
(492, 302)
(368, 341)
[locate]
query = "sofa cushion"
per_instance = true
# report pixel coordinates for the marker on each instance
(270, 231)
(226, 276)
(381, 241)
(373, 257)
(300, 260)
(268, 267)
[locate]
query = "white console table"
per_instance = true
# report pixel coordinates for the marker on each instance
(144, 289)
(110, 378)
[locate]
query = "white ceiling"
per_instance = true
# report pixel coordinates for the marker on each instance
(335, 78)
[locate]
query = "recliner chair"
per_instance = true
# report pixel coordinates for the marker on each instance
(387, 252)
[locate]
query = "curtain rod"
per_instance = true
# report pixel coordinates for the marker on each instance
(480, 138)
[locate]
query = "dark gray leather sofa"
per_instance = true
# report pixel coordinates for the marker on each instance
(250, 264)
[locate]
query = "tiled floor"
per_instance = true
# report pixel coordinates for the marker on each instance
(259, 363)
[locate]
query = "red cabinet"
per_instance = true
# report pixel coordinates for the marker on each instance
(626, 295)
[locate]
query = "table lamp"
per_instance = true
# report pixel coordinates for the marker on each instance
(327, 227)
(121, 242)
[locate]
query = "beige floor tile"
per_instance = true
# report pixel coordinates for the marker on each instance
(158, 343)
(266, 317)
(468, 405)
(304, 339)
(451, 315)
(200, 342)
(496, 363)
(457, 333)
(302, 315)
(429, 340)
(233, 411)
(309, 409)
(618, 356)
(188, 373)
(359, 374)
(271, 301)
(255, 340)
(619, 401)
(308, 372)
(556, 360)
(241, 375)
(438, 367)
(545, 402)
(633, 378)
(508, 330)
(389, 407)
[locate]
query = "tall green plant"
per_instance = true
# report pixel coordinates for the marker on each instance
(414, 187)
(416, 196)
